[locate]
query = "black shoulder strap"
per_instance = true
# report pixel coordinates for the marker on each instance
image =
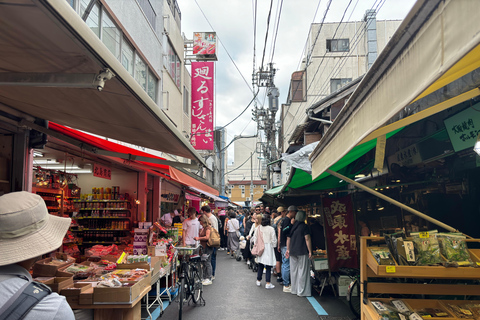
(24, 300)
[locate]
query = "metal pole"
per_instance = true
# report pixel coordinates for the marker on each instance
(251, 179)
(392, 201)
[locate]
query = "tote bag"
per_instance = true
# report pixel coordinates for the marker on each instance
(259, 245)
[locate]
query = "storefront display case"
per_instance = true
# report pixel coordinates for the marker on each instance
(429, 283)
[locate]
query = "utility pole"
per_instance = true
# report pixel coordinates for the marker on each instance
(251, 179)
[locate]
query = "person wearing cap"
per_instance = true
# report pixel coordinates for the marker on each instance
(285, 228)
(28, 231)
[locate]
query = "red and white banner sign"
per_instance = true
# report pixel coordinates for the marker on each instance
(340, 233)
(102, 171)
(202, 105)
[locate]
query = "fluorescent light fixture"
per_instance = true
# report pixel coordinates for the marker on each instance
(79, 171)
(62, 167)
(476, 147)
(45, 161)
(37, 153)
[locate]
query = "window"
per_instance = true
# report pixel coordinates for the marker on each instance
(173, 65)
(152, 85)
(338, 45)
(242, 187)
(264, 187)
(141, 72)
(127, 56)
(186, 103)
(110, 35)
(149, 12)
(336, 84)
(93, 20)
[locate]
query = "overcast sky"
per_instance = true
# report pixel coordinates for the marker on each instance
(233, 21)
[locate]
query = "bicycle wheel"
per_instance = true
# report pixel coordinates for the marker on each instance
(196, 285)
(354, 298)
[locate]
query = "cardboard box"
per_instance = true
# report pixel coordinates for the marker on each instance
(72, 294)
(135, 265)
(59, 283)
(343, 283)
(42, 268)
(320, 264)
(122, 294)
(86, 297)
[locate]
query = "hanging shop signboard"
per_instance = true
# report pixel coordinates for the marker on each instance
(170, 197)
(464, 127)
(340, 233)
(102, 171)
(205, 45)
(202, 105)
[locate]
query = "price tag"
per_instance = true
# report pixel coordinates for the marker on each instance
(402, 317)
(379, 306)
(424, 235)
(400, 305)
(415, 316)
(390, 269)
(478, 264)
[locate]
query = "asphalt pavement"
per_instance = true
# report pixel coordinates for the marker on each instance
(235, 295)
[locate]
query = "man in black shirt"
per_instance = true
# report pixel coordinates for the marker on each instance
(285, 227)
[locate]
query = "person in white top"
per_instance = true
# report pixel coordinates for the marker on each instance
(267, 259)
(214, 224)
(167, 219)
(191, 228)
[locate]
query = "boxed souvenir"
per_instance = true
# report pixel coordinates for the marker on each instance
(48, 267)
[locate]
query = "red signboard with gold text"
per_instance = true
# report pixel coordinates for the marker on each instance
(340, 233)
(202, 105)
(102, 171)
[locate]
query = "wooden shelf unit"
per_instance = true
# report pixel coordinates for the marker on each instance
(369, 268)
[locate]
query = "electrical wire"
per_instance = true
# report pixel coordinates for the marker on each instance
(254, 152)
(266, 33)
(276, 27)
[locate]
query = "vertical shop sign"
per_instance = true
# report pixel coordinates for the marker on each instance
(340, 233)
(202, 105)
(102, 171)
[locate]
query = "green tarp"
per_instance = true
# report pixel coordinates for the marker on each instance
(303, 180)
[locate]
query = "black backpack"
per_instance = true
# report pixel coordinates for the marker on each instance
(22, 301)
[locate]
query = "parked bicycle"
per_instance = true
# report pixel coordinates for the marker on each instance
(190, 277)
(353, 293)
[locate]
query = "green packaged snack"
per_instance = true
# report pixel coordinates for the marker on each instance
(427, 248)
(454, 248)
(383, 256)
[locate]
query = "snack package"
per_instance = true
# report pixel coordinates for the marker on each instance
(454, 248)
(391, 240)
(402, 250)
(383, 256)
(460, 311)
(385, 311)
(427, 248)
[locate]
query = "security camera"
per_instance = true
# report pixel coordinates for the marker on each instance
(101, 77)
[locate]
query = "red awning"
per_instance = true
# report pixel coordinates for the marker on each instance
(107, 145)
(103, 144)
(186, 180)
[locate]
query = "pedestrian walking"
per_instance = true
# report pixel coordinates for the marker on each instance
(258, 221)
(232, 228)
(207, 250)
(285, 228)
(214, 222)
(299, 250)
(267, 259)
(223, 234)
(280, 214)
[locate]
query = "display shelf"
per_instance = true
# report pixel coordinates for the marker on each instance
(97, 242)
(377, 280)
(110, 209)
(100, 229)
(47, 190)
(104, 200)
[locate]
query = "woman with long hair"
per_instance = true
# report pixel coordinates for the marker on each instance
(203, 238)
(267, 258)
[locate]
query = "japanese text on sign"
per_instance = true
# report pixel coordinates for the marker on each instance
(202, 105)
(102, 172)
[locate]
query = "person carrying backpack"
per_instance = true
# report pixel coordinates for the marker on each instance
(22, 241)
(241, 222)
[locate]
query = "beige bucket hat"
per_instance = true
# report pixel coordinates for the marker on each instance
(27, 230)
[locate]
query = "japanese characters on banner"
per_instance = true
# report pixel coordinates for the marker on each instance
(102, 171)
(340, 233)
(202, 105)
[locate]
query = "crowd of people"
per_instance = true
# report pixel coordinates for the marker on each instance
(282, 235)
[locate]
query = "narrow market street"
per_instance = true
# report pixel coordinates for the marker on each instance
(234, 295)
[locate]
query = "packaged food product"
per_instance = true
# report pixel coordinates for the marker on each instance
(460, 311)
(427, 248)
(454, 248)
(403, 251)
(383, 256)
